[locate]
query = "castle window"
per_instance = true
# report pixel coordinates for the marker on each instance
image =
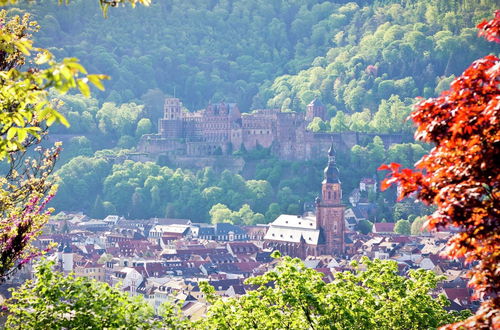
(329, 195)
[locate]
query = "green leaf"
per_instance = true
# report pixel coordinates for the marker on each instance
(83, 87)
(96, 79)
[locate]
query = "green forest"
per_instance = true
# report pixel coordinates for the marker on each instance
(367, 61)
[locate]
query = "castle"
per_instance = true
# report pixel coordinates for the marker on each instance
(322, 234)
(221, 129)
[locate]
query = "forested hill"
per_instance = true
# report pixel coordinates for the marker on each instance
(352, 54)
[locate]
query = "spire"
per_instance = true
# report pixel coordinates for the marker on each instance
(331, 154)
(331, 171)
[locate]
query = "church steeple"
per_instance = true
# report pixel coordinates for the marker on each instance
(331, 170)
(329, 209)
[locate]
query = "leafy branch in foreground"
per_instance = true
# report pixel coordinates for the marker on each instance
(53, 300)
(24, 105)
(373, 296)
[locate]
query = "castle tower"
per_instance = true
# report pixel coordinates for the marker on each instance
(315, 109)
(329, 208)
(172, 109)
(170, 126)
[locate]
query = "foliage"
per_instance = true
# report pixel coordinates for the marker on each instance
(458, 176)
(282, 53)
(24, 194)
(371, 296)
(272, 188)
(382, 50)
(418, 226)
(25, 108)
(104, 4)
(402, 227)
(364, 226)
(245, 215)
(53, 300)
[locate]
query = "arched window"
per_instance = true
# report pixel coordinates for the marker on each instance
(329, 195)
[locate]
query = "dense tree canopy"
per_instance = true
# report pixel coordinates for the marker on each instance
(53, 300)
(370, 296)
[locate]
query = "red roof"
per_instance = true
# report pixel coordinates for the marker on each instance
(462, 294)
(401, 239)
(383, 227)
(247, 266)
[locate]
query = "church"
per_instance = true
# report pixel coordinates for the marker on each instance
(313, 235)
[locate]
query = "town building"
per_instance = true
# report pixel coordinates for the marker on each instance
(322, 234)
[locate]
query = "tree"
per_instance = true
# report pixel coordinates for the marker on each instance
(417, 226)
(220, 213)
(339, 123)
(24, 194)
(402, 227)
(293, 296)
(56, 301)
(457, 175)
(144, 126)
(317, 125)
(364, 226)
(273, 212)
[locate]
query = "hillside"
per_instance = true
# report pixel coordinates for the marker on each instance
(277, 53)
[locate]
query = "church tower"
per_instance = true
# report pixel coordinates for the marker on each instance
(329, 208)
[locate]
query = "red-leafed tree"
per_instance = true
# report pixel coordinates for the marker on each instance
(461, 173)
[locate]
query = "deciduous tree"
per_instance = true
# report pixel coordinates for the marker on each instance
(370, 296)
(402, 227)
(55, 301)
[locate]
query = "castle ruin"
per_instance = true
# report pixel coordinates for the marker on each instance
(220, 129)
